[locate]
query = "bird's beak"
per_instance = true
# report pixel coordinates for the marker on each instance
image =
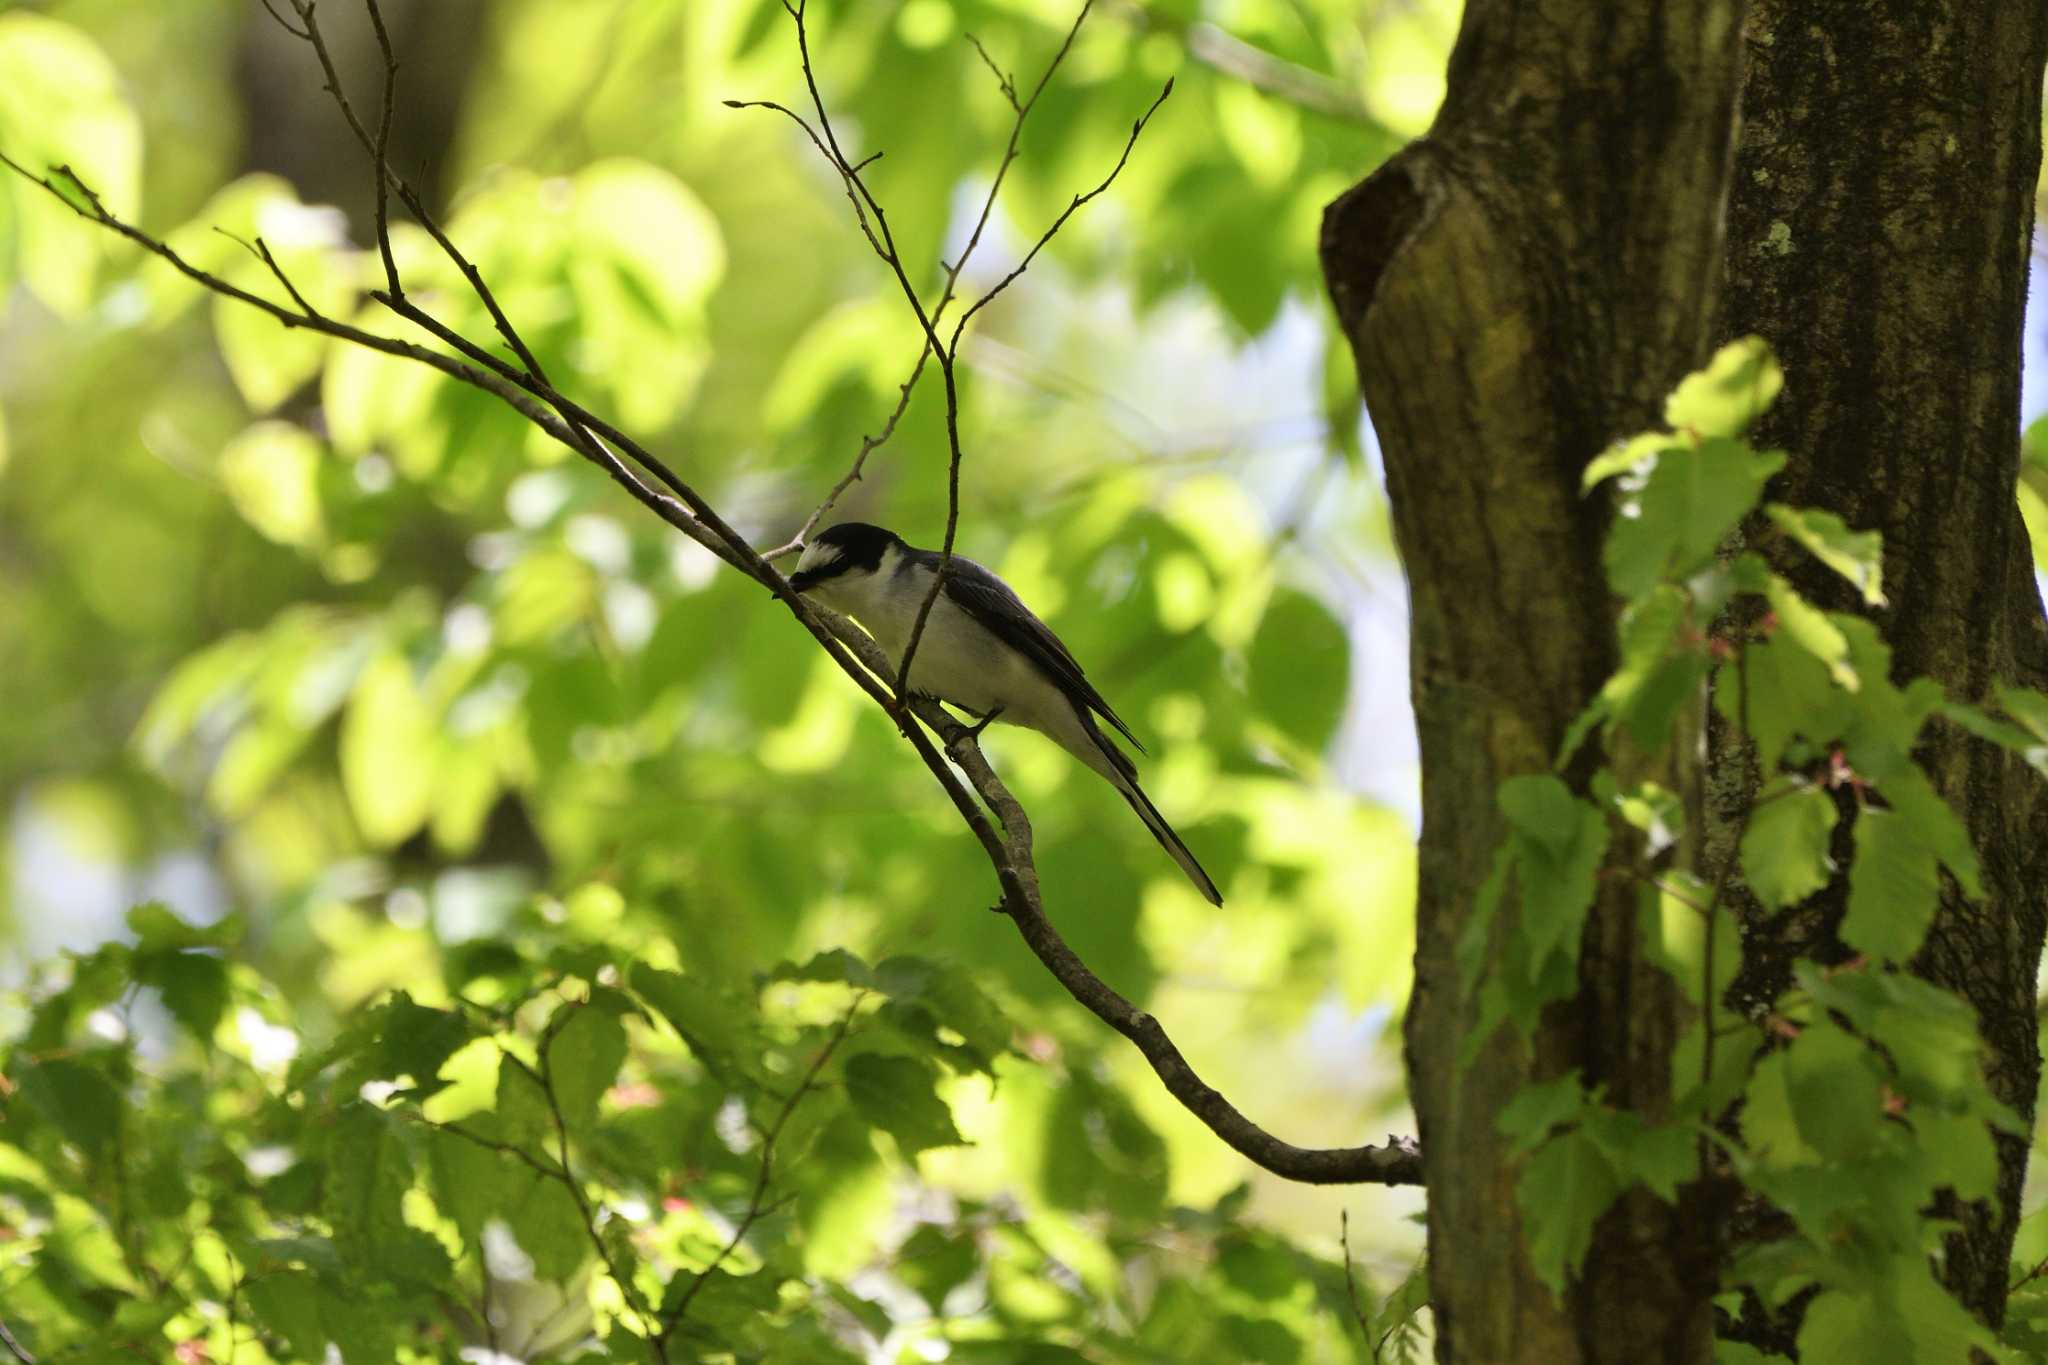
(803, 580)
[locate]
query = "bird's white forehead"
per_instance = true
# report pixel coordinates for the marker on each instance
(817, 555)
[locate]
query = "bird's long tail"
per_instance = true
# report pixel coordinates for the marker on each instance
(1123, 775)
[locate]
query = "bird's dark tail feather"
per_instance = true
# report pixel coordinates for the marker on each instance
(1162, 831)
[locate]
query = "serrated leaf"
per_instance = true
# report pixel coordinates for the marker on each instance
(1562, 1192)
(1674, 525)
(1785, 849)
(1832, 1084)
(1894, 887)
(413, 1040)
(369, 1171)
(1856, 555)
(1539, 1107)
(1813, 631)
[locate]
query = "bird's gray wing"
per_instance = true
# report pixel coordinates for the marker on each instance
(989, 600)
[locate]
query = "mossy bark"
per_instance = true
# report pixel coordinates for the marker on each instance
(1879, 229)
(1519, 287)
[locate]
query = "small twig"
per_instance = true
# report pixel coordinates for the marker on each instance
(15, 1348)
(1350, 1283)
(381, 152)
(758, 1203)
(282, 22)
(1130, 143)
(260, 249)
(1003, 81)
(947, 355)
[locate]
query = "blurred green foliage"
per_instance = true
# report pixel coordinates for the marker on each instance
(527, 878)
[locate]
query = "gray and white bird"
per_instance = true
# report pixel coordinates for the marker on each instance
(982, 650)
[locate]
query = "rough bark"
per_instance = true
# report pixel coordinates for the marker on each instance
(1878, 236)
(1520, 287)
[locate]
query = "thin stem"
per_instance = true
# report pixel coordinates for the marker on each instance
(757, 1203)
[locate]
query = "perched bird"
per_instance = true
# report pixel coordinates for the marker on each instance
(982, 650)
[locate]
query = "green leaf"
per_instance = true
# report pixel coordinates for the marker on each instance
(1562, 1192)
(78, 1099)
(271, 473)
(413, 1040)
(157, 929)
(584, 1060)
(1672, 528)
(897, 1095)
(547, 1224)
(1894, 887)
(714, 1023)
(387, 752)
(1635, 455)
(949, 998)
(1785, 849)
(290, 1303)
(194, 987)
(1832, 1084)
(369, 1172)
(1850, 1327)
(1856, 555)
(524, 1116)
(1559, 844)
(61, 104)
(1813, 631)
(1540, 1107)
(1737, 386)
(933, 1263)
(1300, 668)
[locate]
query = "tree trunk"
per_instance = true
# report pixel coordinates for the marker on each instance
(1520, 287)
(1878, 237)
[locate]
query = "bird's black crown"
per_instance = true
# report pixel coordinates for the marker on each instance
(841, 549)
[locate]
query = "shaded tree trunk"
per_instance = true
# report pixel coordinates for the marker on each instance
(1519, 287)
(1878, 238)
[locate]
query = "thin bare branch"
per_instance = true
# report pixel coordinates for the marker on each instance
(381, 152)
(283, 22)
(1129, 143)
(758, 1202)
(261, 251)
(1003, 81)
(15, 1348)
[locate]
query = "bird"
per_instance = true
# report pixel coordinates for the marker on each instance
(982, 650)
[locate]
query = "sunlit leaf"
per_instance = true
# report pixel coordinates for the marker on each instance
(1738, 385)
(387, 752)
(1856, 555)
(1785, 849)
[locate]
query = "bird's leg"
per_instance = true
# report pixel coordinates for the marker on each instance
(974, 730)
